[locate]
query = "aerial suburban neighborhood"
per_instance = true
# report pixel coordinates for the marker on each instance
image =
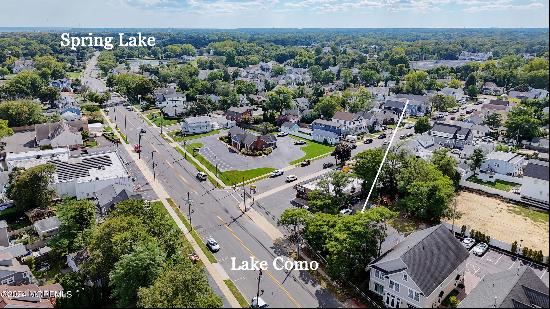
(350, 168)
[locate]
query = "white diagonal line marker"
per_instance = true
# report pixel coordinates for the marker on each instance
(386, 154)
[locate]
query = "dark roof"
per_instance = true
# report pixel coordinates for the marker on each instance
(429, 257)
(269, 138)
(344, 116)
(515, 288)
(537, 169)
(48, 130)
(499, 102)
(445, 128)
(394, 104)
(236, 130)
(113, 194)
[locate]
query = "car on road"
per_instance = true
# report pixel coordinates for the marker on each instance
(385, 143)
(291, 178)
(142, 131)
(480, 249)
(368, 141)
(300, 142)
(282, 134)
(129, 108)
(276, 173)
(328, 165)
(258, 302)
(382, 136)
(305, 163)
(202, 176)
(409, 126)
(346, 211)
(212, 245)
(468, 242)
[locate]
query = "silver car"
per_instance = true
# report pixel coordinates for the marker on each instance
(212, 244)
(480, 249)
(468, 242)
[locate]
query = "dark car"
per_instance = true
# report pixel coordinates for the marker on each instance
(299, 143)
(328, 165)
(305, 163)
(368, 141)
(382, 136)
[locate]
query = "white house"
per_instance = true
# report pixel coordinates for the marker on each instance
(534, 185)
(504, 163)
(353, 123)
(195, 125)
(420, 271)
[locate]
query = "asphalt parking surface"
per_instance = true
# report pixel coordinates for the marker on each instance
(494, 261)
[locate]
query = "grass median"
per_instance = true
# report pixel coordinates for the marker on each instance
(238, 295)
(193, 233)
(312, 150)
(122, 135)
(178, 136)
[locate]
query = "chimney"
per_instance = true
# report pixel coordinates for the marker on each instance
(4, 237)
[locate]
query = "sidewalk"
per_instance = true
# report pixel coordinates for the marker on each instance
(163, 195)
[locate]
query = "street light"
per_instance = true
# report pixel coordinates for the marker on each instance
(258, 292)
(153, 159)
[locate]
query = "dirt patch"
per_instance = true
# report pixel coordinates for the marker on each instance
(504, 221)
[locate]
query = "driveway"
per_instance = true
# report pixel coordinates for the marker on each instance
(219, 153)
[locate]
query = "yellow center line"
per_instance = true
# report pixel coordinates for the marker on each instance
(266, 271)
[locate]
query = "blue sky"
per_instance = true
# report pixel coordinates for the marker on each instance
(274, 13)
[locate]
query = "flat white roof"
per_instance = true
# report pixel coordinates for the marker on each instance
(36, 157)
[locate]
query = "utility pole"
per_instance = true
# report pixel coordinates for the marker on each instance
(124, 123)
(258, 290)
(244, 196)
(139, 145)
(161, 121)
(189, 210)
(153, 159)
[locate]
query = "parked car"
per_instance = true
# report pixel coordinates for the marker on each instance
(129, 108)
(202, 176)
(480, 249)
(346, 211)
(142, 131)
(300, 142)
(382, 136)
(468, 242)
(282, 134)
(368, 141)
(212, 245)
(385, 143)
(328, 165)
(305, 163)
(258, 302)
(291, 178)
(276, 173)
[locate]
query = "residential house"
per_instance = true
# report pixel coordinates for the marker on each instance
(30, 296)
(464, 55)
(195, 125)
(353, 123)
(353, 188)
(63, 84)
(504, 163)
(47, 227)
(75, 260)
(238, 113)
(457, 94)
(325, 131)
(174, 111)
(290, 115)
(451, 136)
(108, 197)
(518, 287)
(417, 106)
(56, 134)
(534, 186)
(420, 271)
(22, 65)
(12, 272)
(538, 144)
(490, 88)
(70, 113)
(531, 94)
(169, 97)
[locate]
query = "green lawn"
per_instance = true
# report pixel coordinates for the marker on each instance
(157, 119)
(536, 216)
(312, 150)
(194, 233)
(122, 135)
(228, 177)
(235, 291)
(74, 75)
(90, 144)
(498, 184)
(178, 136)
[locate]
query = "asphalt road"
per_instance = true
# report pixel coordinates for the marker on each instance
(215, 214)
(90, 75)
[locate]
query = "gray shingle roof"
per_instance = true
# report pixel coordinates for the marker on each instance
(445, 128)
(537, 169)
(429, 256)
(515, 288)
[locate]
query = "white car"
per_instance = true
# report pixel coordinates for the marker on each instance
(276, 173)
(480, 249)
(291, 178)
(346, 211)
(468, 242)
(212, 244)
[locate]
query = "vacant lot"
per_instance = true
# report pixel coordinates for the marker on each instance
(504, 221)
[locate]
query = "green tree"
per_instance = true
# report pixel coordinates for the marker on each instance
(183, 285)
(494, 120)
(30, 188)
(26, 84)
(21, 113)
(327, 106)
(342, 152)
(4, 72)
(49, 94)
(279, 99)
(446, 164)
(455, 83)
(135, 270)
(330, 196)
(278, 70)
(5, 130)
(362, 100)
(106, 62)
(415, 82)
(476, 160)
(522, 123)
(443, 103)
(366, 166)
(472, 91)
(422, 125)
(77, 218)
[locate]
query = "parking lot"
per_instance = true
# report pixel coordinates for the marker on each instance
(494, 261)
(218, 153)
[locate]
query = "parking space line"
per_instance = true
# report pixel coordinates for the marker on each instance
(543, 273)
(512, 265)
(500, 257)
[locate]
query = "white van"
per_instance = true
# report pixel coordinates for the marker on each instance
(351, 138)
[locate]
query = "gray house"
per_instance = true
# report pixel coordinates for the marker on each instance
(515, 288)
(12, 272)
(421, 270)
(451, 136)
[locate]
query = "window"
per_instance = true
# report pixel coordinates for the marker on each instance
(379, 274)
(405, 277)
(414, 295)
(378, 288)
(394, 286)
(411, 294)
